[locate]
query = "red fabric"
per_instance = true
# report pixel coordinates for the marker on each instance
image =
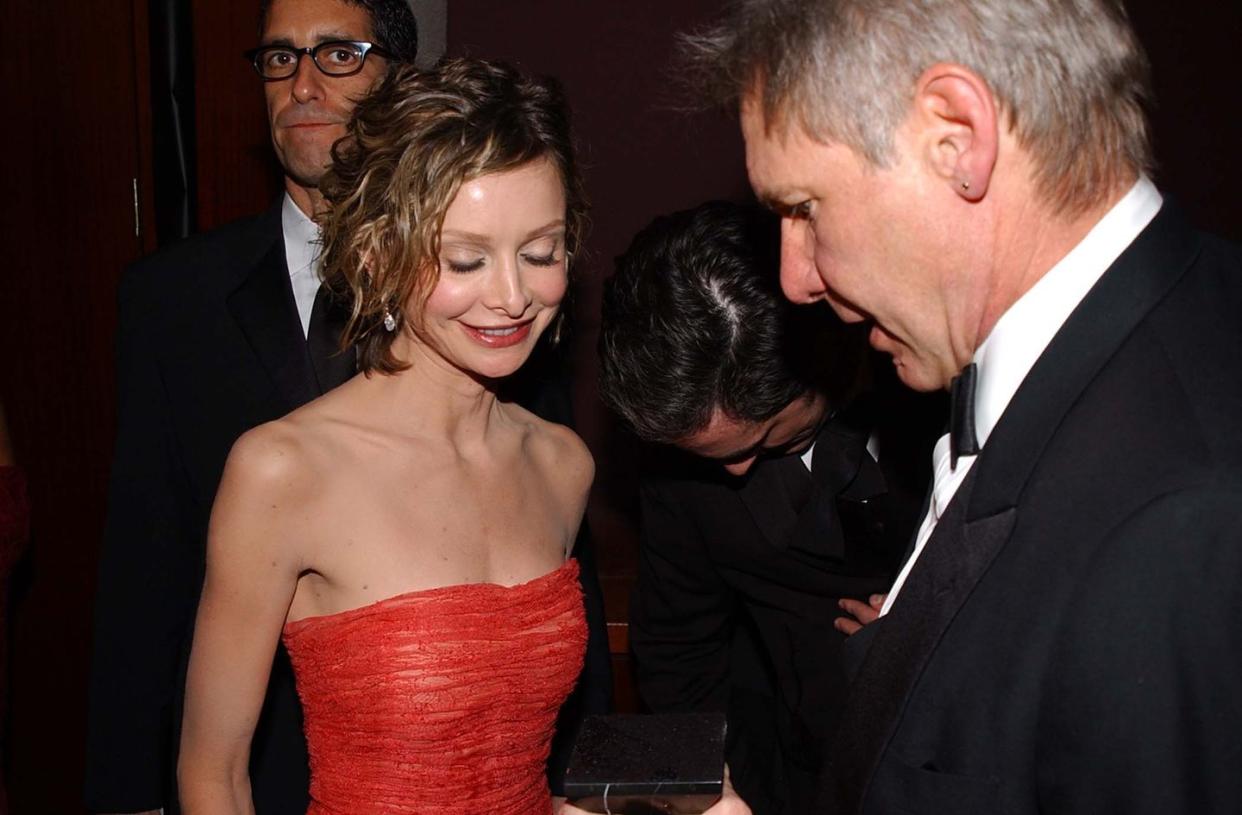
(439, 702)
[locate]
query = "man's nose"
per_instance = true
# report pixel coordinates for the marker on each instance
(740, 467)
(799, 278)
(308, 81)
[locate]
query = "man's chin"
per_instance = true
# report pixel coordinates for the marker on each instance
(306, 163)
(305, 175)
(916, 377)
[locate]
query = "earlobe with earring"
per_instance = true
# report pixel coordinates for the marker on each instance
(390, 322)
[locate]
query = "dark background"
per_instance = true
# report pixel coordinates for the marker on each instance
(79, 189)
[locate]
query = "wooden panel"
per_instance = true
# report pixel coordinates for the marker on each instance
(237, 172)
(68, 230)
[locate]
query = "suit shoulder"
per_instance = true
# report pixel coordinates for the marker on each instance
(200, 258)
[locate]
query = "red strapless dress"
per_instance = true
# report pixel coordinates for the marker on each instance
(439, 702)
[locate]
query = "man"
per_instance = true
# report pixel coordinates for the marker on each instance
(779, 514)
(968, 177)
(219, 334)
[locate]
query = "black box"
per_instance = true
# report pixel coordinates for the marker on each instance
(628, 764)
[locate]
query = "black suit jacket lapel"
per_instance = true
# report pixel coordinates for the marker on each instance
(981, 517)
(264, 308)
(774, 494)
(956, 557)
(1131, 288)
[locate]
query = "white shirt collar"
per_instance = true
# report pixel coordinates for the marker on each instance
(1028, 326)
(302, 249)
(301, 237)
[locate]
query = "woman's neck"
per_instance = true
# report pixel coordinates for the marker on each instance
(434, 397)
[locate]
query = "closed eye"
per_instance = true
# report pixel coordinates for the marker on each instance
(460, 267)
(549, 259)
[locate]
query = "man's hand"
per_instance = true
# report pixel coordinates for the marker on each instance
(862, 613)
(729, 803)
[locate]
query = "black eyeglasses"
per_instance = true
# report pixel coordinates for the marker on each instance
(341, 58)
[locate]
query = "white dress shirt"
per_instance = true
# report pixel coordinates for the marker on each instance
(1019, 338)
(302, 249)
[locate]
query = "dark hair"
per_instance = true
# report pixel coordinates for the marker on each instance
(393, 26)
(694, 320)
(409, 147)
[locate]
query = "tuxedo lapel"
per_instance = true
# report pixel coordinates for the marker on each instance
(846, 495)
(263, 307)
(774, 494)
(1131, 287)
(955, 558)
(980, 519)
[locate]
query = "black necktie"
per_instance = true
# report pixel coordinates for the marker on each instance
(323, 337)
(962, 440)
(845, 505)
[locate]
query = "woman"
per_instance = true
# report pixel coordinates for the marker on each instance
(408, 533)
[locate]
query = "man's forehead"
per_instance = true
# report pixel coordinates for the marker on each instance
(767, 154)
(767, 120)
(316, 21)
(722, 437)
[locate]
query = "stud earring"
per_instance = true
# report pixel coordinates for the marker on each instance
(965, 186)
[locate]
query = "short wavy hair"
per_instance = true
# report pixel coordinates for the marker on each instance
(408, 149)
(1070, 75)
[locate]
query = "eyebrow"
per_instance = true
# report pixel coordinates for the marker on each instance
(774, 201)
(319, 39)
(479, 238)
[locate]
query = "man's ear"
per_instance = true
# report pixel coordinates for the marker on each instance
(957, 119)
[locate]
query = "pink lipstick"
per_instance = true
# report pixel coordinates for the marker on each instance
(498, 336)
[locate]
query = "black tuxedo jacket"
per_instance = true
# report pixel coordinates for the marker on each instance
(737, 590)
(1071, 639)
(210, 345)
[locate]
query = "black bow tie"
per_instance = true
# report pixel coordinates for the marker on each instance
(962, 440)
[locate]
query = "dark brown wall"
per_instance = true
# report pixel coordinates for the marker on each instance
(73, 145)
(1196, 127)
(237, 173)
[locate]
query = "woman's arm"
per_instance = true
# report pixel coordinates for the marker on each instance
(252, 572)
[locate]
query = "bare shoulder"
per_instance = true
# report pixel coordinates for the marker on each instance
(272, 458)
(557, 450)
(273, 473)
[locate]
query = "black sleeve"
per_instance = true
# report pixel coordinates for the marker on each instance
(147, 585)
(681, 613)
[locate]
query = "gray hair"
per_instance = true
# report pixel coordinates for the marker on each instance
(1069, 75)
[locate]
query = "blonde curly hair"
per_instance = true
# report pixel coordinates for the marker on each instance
(410, 146)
